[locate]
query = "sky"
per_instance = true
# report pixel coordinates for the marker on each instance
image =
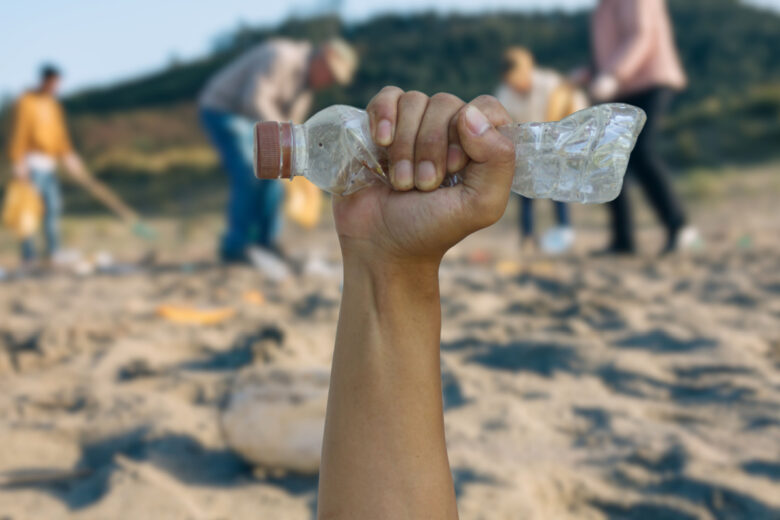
(98, 42)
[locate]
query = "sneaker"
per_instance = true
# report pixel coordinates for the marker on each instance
(269, 262)
(686, 238)
(557, 240)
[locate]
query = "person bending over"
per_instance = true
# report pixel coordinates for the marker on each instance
(384, 453)
(273, 81)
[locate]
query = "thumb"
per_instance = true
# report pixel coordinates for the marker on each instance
(488, 176)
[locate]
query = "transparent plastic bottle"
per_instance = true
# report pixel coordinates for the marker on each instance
(581, 158)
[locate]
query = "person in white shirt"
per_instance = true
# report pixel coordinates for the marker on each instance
(530, 93)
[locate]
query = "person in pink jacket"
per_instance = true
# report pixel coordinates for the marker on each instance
(635, 61)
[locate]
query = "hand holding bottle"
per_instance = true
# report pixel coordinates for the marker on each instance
(425, 138)
(581, 158)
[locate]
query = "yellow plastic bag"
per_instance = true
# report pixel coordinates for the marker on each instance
(303, 204)
(564, 101)
(22, 208)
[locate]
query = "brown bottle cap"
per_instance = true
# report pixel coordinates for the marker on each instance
(273, 150)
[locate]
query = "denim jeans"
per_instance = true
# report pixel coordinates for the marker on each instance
(48, 186)
(527, 215)
(253, 205)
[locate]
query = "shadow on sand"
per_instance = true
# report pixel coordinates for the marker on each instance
(180, 456)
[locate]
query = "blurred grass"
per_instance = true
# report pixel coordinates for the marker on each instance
(158, 162)
(739, 128)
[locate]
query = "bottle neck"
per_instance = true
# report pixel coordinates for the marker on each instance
(299, 159)
(279, 150)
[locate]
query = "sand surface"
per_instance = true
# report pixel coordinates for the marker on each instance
(574, 387)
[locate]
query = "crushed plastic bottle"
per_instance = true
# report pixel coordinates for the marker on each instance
(581, 158)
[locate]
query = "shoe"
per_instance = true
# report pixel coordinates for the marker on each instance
(685, 238)
(269, 262)
(557, 240)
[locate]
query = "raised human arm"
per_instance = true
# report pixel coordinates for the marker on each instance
(384, 453)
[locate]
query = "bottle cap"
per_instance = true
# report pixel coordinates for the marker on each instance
(273, 150)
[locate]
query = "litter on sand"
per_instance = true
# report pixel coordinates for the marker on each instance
(254, 297)
(509, 268)
(195, 316)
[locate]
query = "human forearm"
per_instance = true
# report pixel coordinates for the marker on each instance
(384, 450)
(384, 454)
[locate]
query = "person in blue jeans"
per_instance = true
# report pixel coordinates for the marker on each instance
(39, 141)
(253, 205)
(271, 82)
(48, 186)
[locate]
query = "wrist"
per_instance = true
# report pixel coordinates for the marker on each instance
(394, 295)
(390, 319)
(398, 275)
(383, 270)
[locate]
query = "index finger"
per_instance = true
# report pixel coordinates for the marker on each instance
(382, 115)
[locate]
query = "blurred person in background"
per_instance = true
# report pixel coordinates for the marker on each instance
(635, 61)
(271, 82)
(39, 139)
(530, 93)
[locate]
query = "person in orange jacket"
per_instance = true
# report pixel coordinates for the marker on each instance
(39, 139)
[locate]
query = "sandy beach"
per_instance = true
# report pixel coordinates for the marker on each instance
(574, 387)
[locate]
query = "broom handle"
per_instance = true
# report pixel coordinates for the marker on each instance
(75, 166)
(108, 197)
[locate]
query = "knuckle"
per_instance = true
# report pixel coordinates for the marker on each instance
(384, 100)
(445, 98)
(413, 97)
(391, 89)
(486, 100)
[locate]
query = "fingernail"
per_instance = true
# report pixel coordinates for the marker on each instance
(384, 132)
(454, 156)
(476, 121)
(402, 174)
(426, 175)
